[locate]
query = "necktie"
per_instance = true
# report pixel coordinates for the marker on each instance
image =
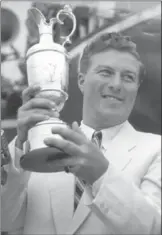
(79, 183)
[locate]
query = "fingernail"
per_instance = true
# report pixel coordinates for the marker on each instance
(53, 105)
(36, 86)
(45, 140)
(47, 117)
(75, 124)
(55, 114)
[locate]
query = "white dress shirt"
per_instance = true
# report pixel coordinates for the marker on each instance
(108, 134)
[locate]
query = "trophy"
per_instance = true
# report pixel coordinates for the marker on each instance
(47, 66)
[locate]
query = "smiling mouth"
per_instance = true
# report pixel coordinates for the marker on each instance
(111, 97)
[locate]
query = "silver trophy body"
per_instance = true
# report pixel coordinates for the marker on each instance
(48, 66)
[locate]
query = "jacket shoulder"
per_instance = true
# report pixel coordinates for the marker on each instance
(150, 139)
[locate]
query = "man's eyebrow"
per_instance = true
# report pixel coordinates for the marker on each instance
(130, 71)
(103, 67)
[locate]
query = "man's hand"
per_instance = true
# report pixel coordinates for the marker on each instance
(34, 109)
(87, 161)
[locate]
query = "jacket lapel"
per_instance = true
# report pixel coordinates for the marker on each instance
(81, 213)
(62, 200)
(119, 154)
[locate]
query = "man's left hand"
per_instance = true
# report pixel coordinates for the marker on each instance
(86, 161)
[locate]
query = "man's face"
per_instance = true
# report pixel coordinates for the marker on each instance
(110, 85)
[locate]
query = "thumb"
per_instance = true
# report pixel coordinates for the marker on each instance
(75, 126)
(77, 129)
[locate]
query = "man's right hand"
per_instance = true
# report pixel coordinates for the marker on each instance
(32, 111)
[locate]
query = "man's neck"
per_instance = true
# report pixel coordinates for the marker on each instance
(108, 133)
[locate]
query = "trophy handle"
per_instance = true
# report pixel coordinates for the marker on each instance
(67, 10)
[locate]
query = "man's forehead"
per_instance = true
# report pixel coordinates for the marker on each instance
(115, 58)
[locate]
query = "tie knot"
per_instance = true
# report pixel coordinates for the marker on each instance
(97, 138)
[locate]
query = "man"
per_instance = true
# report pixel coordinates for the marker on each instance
(122, 175)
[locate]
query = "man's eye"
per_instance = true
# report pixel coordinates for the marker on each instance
(128, 77)
(105, 72)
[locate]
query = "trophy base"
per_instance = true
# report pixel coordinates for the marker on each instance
(43, 160)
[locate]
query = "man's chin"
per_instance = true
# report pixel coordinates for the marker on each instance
(110, 113)
(109, 119)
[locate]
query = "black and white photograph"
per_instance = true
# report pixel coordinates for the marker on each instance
(80, 117)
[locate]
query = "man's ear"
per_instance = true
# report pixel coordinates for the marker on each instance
(81, 79)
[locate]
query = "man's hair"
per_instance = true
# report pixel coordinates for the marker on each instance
(105, 42)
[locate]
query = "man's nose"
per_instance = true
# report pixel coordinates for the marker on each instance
(115, 82)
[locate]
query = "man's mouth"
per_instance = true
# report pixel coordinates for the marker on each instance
(111, 97)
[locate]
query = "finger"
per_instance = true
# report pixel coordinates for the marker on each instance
(47, 112)
(65, 145)
(68, 134)
(39, 103)
(64, 159)
(70, 161)
(74, 164)
(30, 92)
(31, 120)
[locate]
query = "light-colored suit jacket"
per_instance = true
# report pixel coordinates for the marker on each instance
(127, 202)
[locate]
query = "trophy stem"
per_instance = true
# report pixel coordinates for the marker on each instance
(59, 97)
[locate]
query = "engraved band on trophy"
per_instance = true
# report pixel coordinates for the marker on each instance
(48, 67)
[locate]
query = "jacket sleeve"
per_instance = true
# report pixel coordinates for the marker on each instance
(126, 208)
(14, 193)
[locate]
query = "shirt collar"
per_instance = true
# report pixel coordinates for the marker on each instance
(107, 134)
